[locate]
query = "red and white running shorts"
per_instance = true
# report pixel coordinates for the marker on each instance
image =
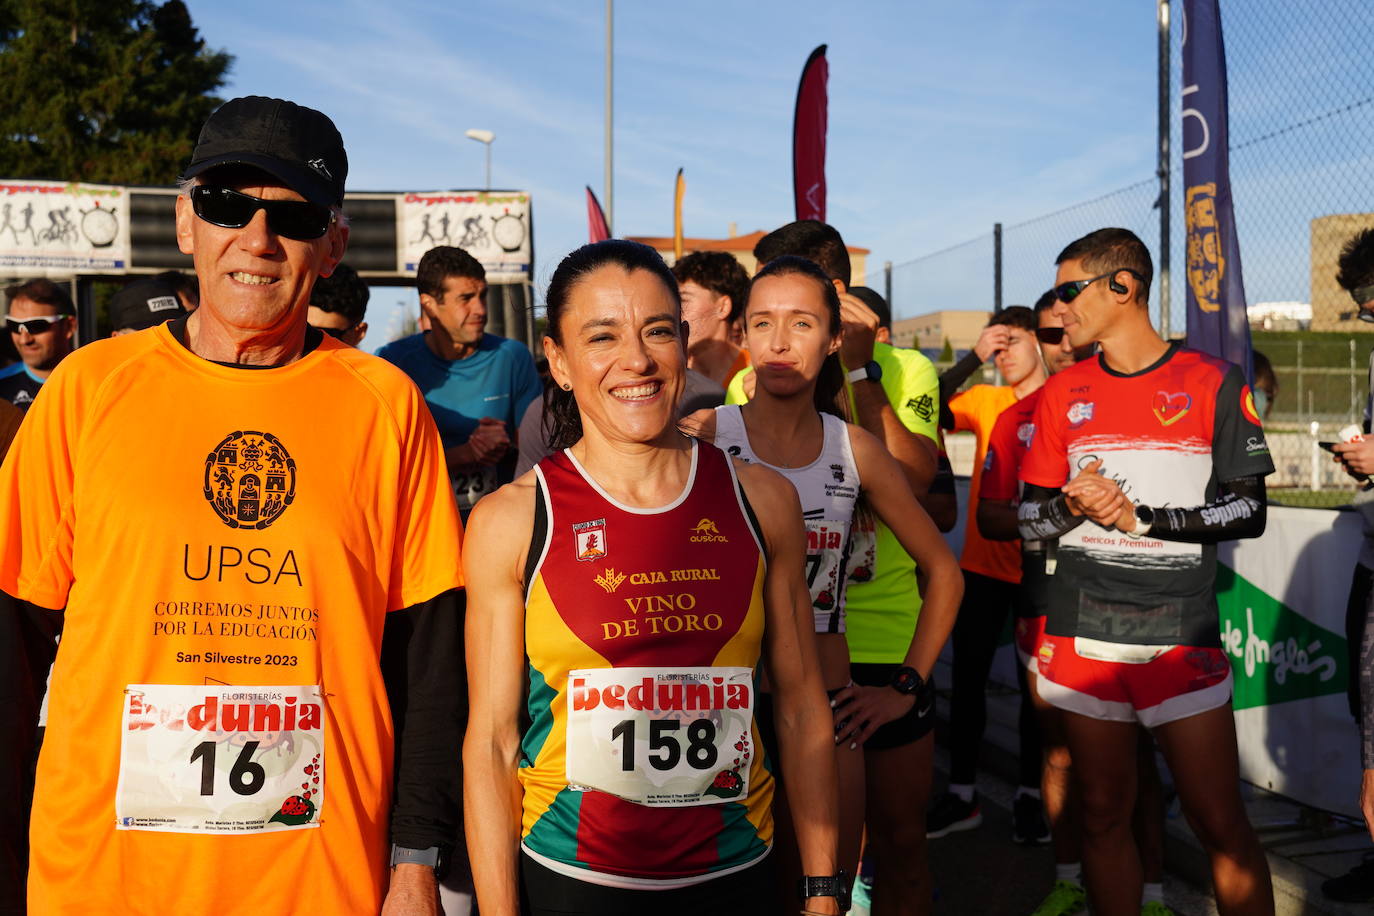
(1029, 632)
(1119, 682)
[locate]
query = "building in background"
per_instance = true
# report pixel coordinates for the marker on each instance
(742, 247)
(929, 332)
(1332, 309)
(1279, 316)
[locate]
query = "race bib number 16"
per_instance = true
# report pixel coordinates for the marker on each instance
(661, 737)
(196, 759)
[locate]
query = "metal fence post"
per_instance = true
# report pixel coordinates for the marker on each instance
(1164, 194)
(887, 286)
(997, 267)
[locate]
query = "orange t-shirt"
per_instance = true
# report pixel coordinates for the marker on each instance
(977, 409)
(227, 544)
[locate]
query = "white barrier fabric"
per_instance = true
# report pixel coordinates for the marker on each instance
(1282, 601)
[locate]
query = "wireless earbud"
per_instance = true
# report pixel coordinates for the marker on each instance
(1115, 286)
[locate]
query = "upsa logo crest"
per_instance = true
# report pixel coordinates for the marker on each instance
(250, 479)
(1206, 267)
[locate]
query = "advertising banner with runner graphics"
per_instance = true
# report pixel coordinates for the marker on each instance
(50, 228)
(492, 226)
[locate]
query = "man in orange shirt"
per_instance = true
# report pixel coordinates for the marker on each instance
(992, 571)
(251, 528)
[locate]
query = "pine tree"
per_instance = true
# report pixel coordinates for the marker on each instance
(111, 91)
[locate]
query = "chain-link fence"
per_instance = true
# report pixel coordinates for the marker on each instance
(1301, 86)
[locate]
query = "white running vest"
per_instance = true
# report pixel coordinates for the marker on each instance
(827, 488)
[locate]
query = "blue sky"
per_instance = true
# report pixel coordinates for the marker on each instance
(944, 118)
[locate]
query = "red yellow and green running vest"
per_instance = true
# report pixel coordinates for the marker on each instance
(641, 767)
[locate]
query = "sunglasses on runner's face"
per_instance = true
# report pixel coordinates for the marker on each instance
(1051, 336)
(1067, 292)
(292, 219)
(336, 333)
(1361, 295)
(33, 326)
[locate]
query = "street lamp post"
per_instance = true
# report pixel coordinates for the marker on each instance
(484, 137)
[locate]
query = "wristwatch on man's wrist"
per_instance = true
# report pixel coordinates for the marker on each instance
(403, 855)
(836, 886)
(870, 371)
(1144, 520)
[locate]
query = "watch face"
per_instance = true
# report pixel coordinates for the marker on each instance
(906, 680)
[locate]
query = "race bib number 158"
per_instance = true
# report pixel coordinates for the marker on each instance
(197, 759)
(661, 737)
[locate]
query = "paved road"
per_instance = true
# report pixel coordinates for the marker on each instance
(982, 872)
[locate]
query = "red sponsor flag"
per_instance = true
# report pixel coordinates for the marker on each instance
(808, 138)
(597, 230)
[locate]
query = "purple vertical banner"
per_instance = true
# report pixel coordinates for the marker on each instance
(1216, 291)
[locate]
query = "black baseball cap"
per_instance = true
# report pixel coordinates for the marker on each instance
(144, 303)
(298, 146)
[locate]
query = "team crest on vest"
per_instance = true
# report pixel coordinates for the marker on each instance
(250, 479)
(591, 539)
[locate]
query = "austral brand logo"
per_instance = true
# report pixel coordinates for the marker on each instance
(707, 532)
(610, 580)
(1170, 408)
(250, 479)
(590, 539)
(1080, 412)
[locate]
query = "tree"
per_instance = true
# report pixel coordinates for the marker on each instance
(946, 353)
(110, 91)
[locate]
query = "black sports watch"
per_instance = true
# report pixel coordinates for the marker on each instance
(836, 886)
(433, 857)
(869, 371)
(907, 680)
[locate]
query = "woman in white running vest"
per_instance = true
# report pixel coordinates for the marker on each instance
(792, 331)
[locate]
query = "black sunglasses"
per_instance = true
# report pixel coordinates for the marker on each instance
(1067, 292)
(292, 219)
(336, 333)
(32, 326)
(1051, 336)
(1361, 295)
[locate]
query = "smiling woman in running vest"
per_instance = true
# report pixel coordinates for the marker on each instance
(627, 591)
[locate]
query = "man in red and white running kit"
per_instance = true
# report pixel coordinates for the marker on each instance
(996, 516)
(1142, 460)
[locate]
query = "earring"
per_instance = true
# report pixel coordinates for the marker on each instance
(567, 386)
